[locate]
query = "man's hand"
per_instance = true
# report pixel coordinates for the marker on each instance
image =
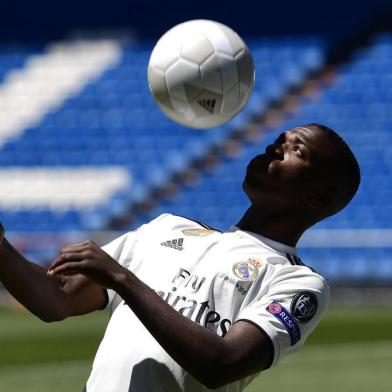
(90, 260)
(49, 298)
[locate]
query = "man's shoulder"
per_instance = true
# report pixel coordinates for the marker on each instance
(296, 270)
(173, 221)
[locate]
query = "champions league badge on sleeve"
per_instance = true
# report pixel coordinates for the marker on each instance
(304, 306)
(286, 319)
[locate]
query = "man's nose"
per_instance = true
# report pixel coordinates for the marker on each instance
(275, 150)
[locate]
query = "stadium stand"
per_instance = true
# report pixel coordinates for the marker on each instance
(113, 124)
(108, 125)
(13, 57)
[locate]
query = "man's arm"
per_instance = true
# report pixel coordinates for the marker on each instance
(49, 298)
(211, 359)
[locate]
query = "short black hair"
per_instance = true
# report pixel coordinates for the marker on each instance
(349, 171)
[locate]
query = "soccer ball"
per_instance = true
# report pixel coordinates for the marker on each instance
(201, 73)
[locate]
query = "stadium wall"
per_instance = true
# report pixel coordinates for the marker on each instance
(43, 19)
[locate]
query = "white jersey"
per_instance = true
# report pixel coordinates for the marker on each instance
(214, 279)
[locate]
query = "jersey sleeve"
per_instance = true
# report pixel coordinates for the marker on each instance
(122, 250)
(289, 310)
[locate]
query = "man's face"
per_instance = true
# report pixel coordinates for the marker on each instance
(291, 170)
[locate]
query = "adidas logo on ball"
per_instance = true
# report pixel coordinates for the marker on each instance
(207, 104)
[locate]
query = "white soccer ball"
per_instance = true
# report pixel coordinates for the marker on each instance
(201, 73)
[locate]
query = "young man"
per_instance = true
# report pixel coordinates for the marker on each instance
(193, 307)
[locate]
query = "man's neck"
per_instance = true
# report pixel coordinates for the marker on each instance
(277, 227)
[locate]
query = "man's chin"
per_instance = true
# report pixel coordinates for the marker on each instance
(252, 184)
(253, 191)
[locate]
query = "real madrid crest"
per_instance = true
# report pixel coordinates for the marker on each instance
(247, 270)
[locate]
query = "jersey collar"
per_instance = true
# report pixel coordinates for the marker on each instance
(275, 245)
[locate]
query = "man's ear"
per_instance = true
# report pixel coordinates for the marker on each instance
(321, 200)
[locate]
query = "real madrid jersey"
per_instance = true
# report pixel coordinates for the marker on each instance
(214, 279)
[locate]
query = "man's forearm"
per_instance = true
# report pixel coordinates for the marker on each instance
(29, 284)
(193, 347)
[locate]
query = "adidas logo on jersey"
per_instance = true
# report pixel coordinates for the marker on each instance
(175, 244)
(207, 104)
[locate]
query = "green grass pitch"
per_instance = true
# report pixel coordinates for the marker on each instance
(350, 351)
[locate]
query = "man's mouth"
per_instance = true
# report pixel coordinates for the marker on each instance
(261, 161)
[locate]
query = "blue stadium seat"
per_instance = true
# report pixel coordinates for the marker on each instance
(115, 122)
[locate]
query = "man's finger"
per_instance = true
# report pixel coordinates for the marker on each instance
(64, 258)
(74, 247)
(72, 267)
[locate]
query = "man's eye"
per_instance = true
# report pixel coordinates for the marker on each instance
(299, 151)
